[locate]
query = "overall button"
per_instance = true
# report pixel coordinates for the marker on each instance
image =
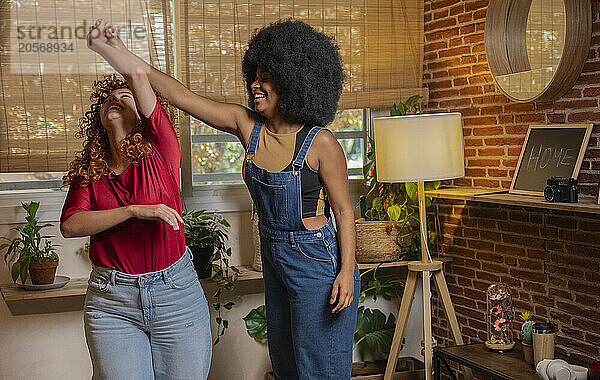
(319, 234)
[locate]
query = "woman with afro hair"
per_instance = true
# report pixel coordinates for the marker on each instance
(145, 314)
(296, 172)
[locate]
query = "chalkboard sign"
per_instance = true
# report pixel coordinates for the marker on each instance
(549, 150)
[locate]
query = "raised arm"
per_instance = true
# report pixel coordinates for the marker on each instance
(133, 73)
(231, 118)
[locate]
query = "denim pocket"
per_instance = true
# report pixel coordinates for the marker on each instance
(271, 200)
(98, 283)
(318, 251)
(314, 250)
(183, 280)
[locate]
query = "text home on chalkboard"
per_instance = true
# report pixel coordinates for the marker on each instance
(549, 151)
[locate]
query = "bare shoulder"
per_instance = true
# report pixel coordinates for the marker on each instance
(326, 143)
(246, 124)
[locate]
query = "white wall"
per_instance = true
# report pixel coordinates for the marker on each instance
(52, 346)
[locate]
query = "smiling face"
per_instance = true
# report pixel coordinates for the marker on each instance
(265, 94)
(119, 106)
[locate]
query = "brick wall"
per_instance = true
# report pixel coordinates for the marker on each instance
(551, 260)
(458, 77)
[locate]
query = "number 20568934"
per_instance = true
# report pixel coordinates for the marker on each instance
(45, 47)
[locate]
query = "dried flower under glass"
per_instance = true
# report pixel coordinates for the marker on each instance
(499, 318)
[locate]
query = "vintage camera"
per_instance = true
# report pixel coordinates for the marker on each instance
(560, 189)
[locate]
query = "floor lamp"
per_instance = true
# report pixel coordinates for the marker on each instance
(420, 148)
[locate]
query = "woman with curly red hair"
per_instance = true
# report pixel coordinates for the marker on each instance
(145, 314)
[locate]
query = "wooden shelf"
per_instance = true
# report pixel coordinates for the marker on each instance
(252, 283)
(71, 296)
(398, 264)
(75, 287)
(68, 298)
(586, 205)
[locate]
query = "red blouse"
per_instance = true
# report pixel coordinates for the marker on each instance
(137, 246)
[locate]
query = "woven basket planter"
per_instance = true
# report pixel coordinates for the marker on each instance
(376, 242)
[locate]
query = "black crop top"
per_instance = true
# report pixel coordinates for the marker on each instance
(314, 200)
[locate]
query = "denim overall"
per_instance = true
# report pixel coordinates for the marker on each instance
(306, 341)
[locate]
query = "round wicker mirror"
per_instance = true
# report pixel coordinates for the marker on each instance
(536, 49)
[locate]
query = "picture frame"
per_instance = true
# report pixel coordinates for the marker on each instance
(549, 150)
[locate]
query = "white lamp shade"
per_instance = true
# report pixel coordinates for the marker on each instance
(417, 148)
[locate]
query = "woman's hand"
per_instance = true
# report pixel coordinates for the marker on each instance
(115, 41)
(102, 32)
(343, 287)
(157, 212)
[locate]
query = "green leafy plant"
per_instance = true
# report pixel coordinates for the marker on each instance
(256, 323)
(204, 230)
(30, 245)
(374, 331)
(527, 328)
(398, 202)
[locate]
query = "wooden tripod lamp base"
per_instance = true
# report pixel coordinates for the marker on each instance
(425, 269)
(416, 269)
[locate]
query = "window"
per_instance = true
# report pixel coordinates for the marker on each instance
(217, 156)
(46, 76)
(201, 43)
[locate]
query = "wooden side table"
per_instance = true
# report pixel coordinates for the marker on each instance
(508, 365)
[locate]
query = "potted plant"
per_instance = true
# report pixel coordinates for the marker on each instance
(526, 331)
(31, 252)
(205, 235)
(388, 229)
(203, 232)
(374, 331)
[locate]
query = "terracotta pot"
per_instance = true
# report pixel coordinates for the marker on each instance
(42, 274)
(527, 353)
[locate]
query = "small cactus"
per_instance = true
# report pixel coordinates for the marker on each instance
(527, 327)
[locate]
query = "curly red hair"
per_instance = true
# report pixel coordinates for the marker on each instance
(92, 162)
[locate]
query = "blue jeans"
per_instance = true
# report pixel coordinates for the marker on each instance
(306, 341)
(149, 326)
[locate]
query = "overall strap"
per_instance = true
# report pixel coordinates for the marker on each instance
(253, 144)
(299, 160)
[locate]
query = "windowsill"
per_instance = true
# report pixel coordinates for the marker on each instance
(221, 198)
(70, 297)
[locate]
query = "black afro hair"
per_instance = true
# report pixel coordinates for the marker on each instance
(306, 66)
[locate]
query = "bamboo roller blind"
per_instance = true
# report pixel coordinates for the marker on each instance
(381, 44)
(44, 93)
